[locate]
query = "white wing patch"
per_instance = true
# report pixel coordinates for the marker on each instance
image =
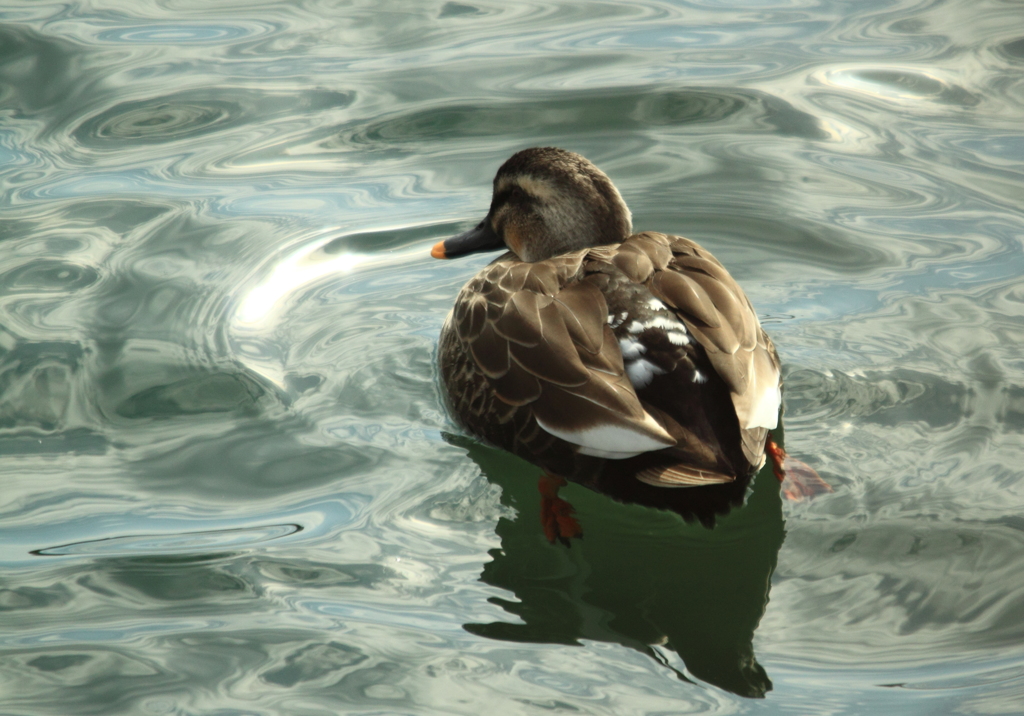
(665, 324)
(758, 405)
(765, 410)
(616, 321)
(616, 442)
(631, 349)
(641, 372)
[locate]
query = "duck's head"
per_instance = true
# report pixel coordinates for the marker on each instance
(546, 202)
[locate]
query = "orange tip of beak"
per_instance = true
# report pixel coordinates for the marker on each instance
(438, 251)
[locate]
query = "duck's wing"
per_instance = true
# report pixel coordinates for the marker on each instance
(541, 337)
(719, 316)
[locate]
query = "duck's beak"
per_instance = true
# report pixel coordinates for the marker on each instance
(479, 238)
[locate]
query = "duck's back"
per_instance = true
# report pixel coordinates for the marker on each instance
(637, 360)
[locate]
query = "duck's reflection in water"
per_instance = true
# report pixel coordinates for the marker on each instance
(642, 577)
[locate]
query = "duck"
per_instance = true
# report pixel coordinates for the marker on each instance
(630, 363)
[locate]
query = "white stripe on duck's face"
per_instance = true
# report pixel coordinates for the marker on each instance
(540, 213)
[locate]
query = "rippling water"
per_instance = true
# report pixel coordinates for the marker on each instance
(228, 484)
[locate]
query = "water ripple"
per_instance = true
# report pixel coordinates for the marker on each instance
(195, 113)
(178, 543)
(145, 122)
(167, 33)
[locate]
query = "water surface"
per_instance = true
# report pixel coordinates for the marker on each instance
(229, 486)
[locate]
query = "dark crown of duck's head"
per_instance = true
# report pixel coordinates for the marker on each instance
(546, 202)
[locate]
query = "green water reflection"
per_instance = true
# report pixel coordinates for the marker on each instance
(640, 577)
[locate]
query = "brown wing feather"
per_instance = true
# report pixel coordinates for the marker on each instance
(681, 476)
(656, 246)
(719, 315)
(539, 334)
(608, 358)
(557, 359)
(520, 321)
(470, 316)
(584, 313)
(517, 386)
(490, 351)
(550, 348)
(733, 307)
(634, 263)
(687, 297)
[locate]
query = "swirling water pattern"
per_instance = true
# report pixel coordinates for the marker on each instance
(227, 486)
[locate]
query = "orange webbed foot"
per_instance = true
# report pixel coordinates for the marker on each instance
(797, 479)
(556, 514)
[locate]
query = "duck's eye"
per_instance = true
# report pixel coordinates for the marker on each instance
(512, 195)
(524, 198)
